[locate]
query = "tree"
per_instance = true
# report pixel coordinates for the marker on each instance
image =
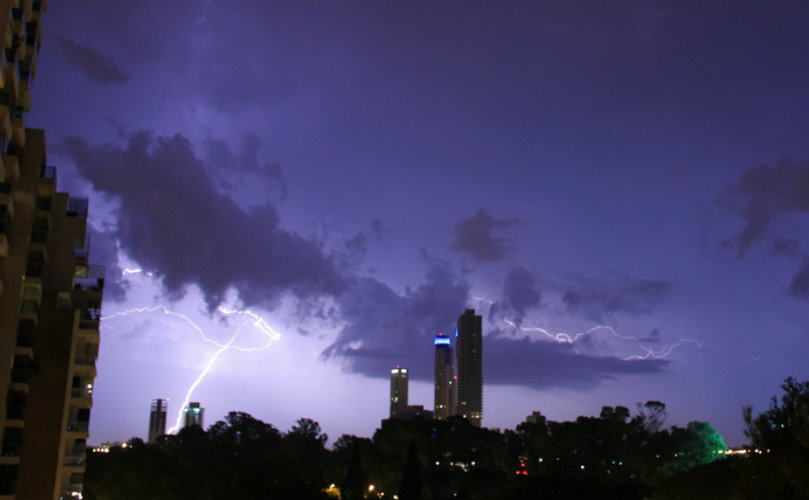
(411, 478)
(782, 435)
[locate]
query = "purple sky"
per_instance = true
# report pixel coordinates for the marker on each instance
(357, 174)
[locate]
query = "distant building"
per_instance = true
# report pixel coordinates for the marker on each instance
(157, 419)
(193, 414)
(415, 413)
(398, 391)
(444, 378)
(469, 353)
(535, 418)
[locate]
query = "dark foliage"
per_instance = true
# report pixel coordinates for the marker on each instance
(614, 455)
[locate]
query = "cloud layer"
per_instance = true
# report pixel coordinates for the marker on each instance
(474, 236)
(174, 222)
(765, 193)
(92, 63)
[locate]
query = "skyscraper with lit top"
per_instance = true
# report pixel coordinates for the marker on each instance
(469, 353)
(398, 391)
(50, 297)
(444, 378)
(194, 414)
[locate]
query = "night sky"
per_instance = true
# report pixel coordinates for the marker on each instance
(621, 189)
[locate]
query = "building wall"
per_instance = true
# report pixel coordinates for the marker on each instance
(398, 391)
(469, 352)
(50, 298)
(444, 394)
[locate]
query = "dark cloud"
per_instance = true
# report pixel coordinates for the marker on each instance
(542, 364)
(784, 247)
(379, 230)
(384, 328)
(95, 65)
(799, 287)
(595, 300)
(474, 236)
(765, 193)
(241, 174)
(520, 293)
(174, 222)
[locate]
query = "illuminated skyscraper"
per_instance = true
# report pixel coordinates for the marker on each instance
(193, 414)
(444, 379)
(398, 391)
(50, 298)
(157, 419)
(469, 351)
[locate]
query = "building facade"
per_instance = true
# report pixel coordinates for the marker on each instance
(444, 402)
(194, 415)
(398, 391)
(469, 353)
(157, 419)
(50, 297)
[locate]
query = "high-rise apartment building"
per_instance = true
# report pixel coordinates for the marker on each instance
(50, 298)
(157, 419)
(444, 378)
(469, 353)
(398, 391)
(194, 414)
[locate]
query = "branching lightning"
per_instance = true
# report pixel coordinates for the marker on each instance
(256, 321)
(648, 352)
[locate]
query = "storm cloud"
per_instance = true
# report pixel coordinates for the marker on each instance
(474, 236)
(799, 287)
(763, 194)
(92, 63)
(384, 328)
(175, 223)
(595, 300)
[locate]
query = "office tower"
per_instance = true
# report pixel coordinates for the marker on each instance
(444, 379)
(193, 414)
(50, 298)
(468, 350)
(398, 391)
(157, 419)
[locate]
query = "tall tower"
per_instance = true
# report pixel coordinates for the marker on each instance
(50, 297)
(157, 419)
(398, 391)
(194, 414)
(469, 350)
(444, 379)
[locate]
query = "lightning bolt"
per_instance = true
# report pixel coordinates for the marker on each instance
(648, 352)
(256, 321)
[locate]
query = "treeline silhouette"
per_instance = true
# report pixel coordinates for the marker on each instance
(615, 455)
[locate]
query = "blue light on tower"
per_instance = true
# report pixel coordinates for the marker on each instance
(441, 340)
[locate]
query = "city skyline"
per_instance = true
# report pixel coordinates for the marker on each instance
(292, 198)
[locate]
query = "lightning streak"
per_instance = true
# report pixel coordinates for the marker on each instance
(648, 352)
(257, 322)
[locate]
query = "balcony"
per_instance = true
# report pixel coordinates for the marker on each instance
(12, 78)
(18, 131)
(77, 207)
(12, 168)
(78, 426)
(25, 92)
(85, 365)
(82, 393)
(47, 184)
(93, 280)
(75, 460)
(5, 121)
